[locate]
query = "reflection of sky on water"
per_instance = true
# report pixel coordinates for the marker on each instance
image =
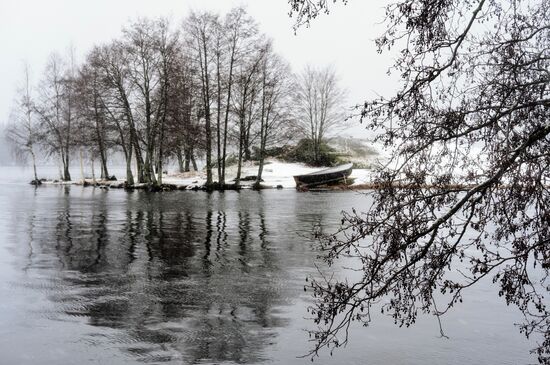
(190, 277)
(185, 275)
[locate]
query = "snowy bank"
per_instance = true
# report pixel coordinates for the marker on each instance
(275, 174)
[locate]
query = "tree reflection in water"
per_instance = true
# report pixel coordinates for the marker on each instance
(180, 276)
(184, 277)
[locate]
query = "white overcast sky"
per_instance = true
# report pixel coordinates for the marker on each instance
(31, 29)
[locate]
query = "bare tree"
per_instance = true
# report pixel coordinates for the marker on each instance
(183, 130)
(55, 107)
(241, 36)
(319, 105)
(167, 44)
(274, 104)
(467, 184)
(144, 63)
(244, 101)
(200, 28)
(92, 112)
(157, 94)
(22, 130)
(115, 97)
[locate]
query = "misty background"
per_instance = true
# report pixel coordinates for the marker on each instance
(30, 30)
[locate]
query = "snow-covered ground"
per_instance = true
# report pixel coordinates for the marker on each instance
(275, 173)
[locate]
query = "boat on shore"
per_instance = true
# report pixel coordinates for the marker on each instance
(331, 175)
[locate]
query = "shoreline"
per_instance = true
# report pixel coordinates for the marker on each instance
(277, 175)
(121, 184)
(166, 187)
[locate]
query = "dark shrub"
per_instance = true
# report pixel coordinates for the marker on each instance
(304, 152)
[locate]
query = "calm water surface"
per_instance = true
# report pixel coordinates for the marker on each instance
(95, 276)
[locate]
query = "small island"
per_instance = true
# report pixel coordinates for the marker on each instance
(277, 175)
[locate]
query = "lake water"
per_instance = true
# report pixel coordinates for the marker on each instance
(106, 276)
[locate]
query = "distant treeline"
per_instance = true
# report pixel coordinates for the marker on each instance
(206, 88)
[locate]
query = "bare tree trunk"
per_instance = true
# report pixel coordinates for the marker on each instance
(240, 156)
(263, 133)
(193, 161)
(69, 96)
(258, 182)
(148, 172)
(180, 159)
(61, 166)
(99, 128)
(104, 170)
(129, 174)
(93, 169)
(139, 162)
(208, 129)
(205, 79)
(263, 130)
(66, 173)
(246, 135)
(187, 159)
(81, 165)
(208, 153)
(159, 173)
(187, 165)
(31, 150)
(160, 158)
(218, 116)
(134, 140)
(226, 118)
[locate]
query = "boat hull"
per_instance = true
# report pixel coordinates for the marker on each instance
(327, 176)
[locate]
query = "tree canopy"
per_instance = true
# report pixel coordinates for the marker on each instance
(211, 86)
(466, 187)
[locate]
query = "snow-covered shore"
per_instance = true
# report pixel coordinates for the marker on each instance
(275, 174)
